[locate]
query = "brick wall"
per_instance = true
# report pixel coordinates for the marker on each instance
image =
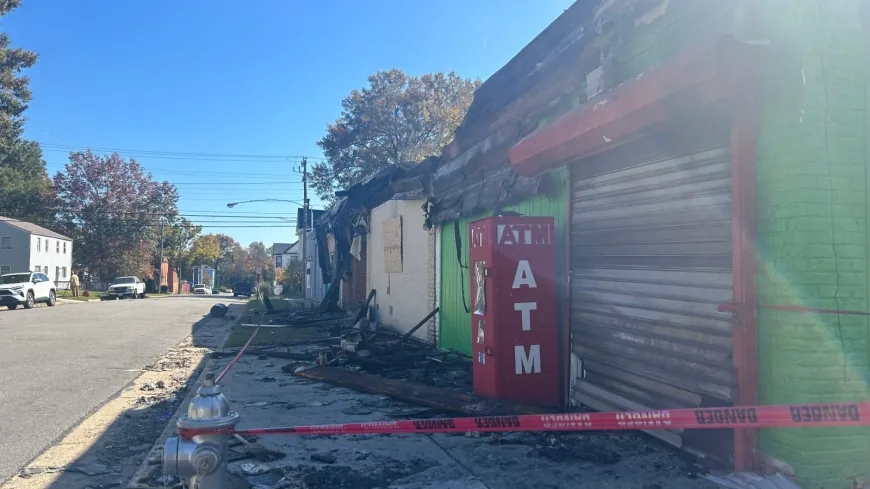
(812, 227)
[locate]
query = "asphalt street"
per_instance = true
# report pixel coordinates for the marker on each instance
(59, 364)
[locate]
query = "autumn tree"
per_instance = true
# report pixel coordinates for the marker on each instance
(25, 189)
(112, 208)
(292, 278)
(395, 119)
(230, 252)
(205, 250)
(259, 256)
(178, 238)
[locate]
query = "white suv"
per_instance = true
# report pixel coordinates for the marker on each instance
(130, 287)
(201, 289)
(26, 289)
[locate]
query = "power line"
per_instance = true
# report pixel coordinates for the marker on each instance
(182, 154)
(285, 182)
(156, 225)
(210, 174)
(209, 213)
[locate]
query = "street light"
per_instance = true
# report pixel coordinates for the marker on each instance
(233, 204)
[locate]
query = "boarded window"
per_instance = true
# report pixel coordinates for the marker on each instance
(6, 243)
(393, 245)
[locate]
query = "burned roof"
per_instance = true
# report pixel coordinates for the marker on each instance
(544, 80)
(364, 195)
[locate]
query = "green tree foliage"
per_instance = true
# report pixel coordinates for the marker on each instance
(25, 189)
(178, 238)
(259, 256)
(292, 278)
(112, 208)
(395, 119)
(205, 250)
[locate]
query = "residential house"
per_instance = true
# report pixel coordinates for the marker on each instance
(284, 253)
(314, 284)
(705, 165)
(26, 247)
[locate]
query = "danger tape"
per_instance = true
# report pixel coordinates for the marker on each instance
(786, 416)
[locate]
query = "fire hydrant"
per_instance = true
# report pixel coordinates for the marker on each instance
(202, 459)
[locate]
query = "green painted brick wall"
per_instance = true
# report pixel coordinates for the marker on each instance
(454, 323)
(812, 229)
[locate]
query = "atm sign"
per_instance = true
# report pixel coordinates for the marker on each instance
(524, 234)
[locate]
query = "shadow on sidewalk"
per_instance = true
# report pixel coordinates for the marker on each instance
(113, 442)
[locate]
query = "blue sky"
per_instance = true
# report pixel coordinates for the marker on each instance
(241, 78)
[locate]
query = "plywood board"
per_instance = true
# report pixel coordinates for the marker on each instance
(393, 245)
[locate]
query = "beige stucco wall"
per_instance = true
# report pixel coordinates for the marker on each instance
(402, 299)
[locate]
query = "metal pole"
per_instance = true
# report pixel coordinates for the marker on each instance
(160, 267)
(304, 227)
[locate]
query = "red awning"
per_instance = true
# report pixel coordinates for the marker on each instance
(688, 82)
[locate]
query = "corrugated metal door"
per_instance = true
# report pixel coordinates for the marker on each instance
(651, 261)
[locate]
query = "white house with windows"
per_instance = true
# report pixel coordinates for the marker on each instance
(284, 253)
(27, 247)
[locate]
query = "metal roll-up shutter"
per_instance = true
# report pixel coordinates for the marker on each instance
(650, 262)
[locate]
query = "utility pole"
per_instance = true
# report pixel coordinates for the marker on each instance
(304, 227)
(160, 267)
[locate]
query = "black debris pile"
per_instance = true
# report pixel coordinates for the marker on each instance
(600, 448)
(358, 342)
(390, 357)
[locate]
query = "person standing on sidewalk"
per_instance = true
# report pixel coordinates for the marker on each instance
(74, 284)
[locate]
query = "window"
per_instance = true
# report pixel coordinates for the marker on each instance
(63, 272)
(4, 269)
(47, 248)
(278, 259)
(6, 243)
(45, 271)
(57, 273)
(64, 247)
(57, 247)
(36, 268)
(38, 244)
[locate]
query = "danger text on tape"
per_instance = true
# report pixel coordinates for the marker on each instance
(790, 416)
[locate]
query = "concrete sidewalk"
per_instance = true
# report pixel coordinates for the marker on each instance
(267, 396)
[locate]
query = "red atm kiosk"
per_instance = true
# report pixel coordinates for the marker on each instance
(513, 318)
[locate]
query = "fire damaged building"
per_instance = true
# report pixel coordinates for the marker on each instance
(704, 166)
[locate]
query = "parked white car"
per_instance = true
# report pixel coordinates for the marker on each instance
(130, 287)
(201, 289)
(26, 289)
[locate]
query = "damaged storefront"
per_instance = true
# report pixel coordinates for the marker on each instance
(646, 128)
(652, 249)
(342, 238)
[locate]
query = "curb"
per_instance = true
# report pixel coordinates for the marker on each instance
(146, 468)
